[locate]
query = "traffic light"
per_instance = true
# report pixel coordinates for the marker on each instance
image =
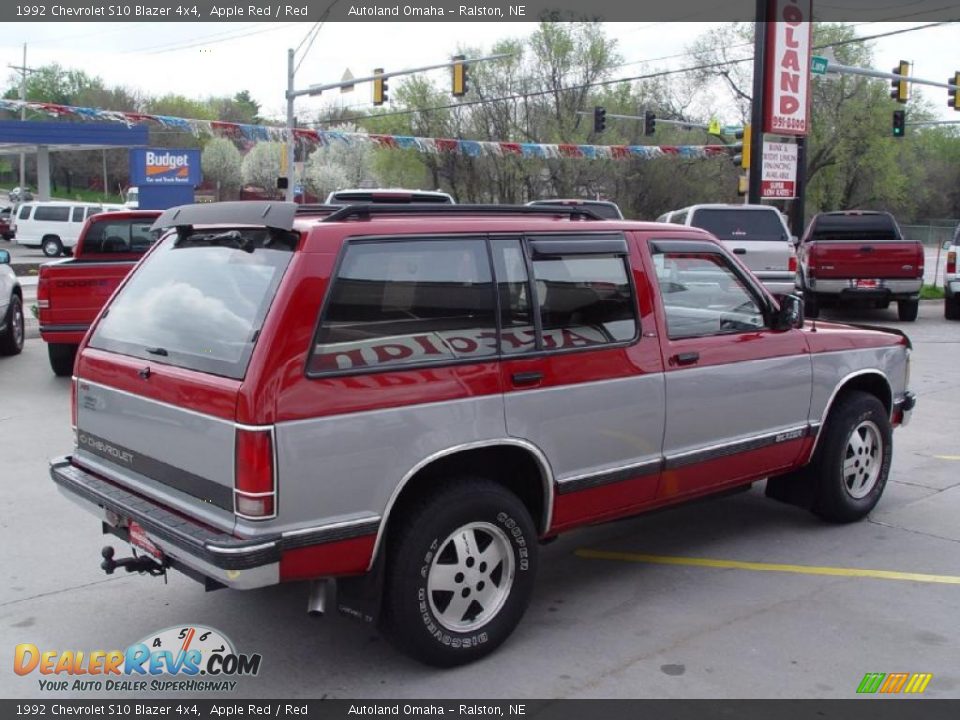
(599, 119)
(952, 100)
(379, 88)
(738, 151)
(744, 157)
(459, 75)
(649, 122)
(901, 88)
(899, 123)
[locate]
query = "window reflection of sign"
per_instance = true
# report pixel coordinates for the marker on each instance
(450, 345)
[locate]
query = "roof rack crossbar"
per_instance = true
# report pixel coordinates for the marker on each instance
(363, 211)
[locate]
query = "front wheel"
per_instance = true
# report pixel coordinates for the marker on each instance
(460, 572)
(11, 341)
(907, 310)
(853, 459)
(51, 246)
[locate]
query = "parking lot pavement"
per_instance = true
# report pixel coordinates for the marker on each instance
(727, 598)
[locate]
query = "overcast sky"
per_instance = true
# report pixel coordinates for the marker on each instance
(203, 59)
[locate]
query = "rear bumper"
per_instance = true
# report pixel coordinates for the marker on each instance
(904, 407)
(241, 563)
(895, 289)
(785, 285)
(952, 287)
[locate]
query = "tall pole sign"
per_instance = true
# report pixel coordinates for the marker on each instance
(781, 100)
(787, 101)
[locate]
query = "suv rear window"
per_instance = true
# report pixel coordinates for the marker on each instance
(855, 227)
(199, 303)
(606, 210)
(740, 225)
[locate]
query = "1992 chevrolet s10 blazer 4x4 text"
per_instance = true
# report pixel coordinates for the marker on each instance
(410, 399)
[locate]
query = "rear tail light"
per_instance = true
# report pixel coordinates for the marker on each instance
(255, 490)
(792, 263)
(952, 261)
(43, 292)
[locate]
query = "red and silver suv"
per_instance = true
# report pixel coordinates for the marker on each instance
(410, 399)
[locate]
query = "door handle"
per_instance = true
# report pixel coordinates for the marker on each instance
(685, 358)
(527, 378)
(867, 248)
(739, 251)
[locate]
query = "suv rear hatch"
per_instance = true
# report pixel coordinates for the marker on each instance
(159, 379)
(862, 245)
(757, 237)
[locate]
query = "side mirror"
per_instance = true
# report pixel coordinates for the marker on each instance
(790, 314)
(4, 257)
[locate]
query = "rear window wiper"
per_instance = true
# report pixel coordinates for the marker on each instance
(230, 237)
(157, 351)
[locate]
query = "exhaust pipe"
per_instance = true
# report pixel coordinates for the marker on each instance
(317, 600)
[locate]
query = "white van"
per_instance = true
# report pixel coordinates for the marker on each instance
(757, 234)
(52, 225)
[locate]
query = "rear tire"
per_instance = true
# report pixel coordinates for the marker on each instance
(61, 357)
(11, 341)
(460, 572)
(51, 246)
(907, 310)
(951, 307)
(852, 461)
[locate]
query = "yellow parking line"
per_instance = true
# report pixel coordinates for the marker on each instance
(766, 567)
(947, 457)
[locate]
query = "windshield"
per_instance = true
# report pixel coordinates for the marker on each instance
(855, 227)
(198, 303)
(741, 225)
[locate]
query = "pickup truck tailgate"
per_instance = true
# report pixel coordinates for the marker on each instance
(76, 290)
(866, 259)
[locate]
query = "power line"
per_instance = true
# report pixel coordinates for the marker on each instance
(603, 83)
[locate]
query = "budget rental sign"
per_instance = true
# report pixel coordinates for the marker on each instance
(787, 67)
(165, 166)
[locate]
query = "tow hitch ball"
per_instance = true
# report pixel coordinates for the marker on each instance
(137, 563)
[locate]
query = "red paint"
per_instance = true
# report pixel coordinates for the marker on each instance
(189, 389)
(346, 557)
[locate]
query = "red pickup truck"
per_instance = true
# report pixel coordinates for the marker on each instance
(71, 292)
(858, 255)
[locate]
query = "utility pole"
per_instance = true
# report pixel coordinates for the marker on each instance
(756, 116)
(23, 70)
(291, 94)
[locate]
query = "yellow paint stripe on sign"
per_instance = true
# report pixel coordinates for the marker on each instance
(766, 567)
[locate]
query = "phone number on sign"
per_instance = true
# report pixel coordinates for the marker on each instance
(786, 123)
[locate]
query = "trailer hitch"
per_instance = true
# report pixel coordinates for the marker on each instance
(137, 563)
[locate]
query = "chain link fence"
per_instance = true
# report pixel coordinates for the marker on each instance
(933, 235)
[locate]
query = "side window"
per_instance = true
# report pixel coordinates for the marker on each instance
(92, 211)
(702, 296)
(584, 300)
(77, 214)
(679, 217)
(25, 212)
(54, 213)
(404, 302)
(518, 334)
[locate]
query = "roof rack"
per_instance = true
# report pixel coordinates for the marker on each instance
(363, 211)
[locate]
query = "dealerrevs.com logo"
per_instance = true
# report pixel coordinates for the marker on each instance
(191, 658)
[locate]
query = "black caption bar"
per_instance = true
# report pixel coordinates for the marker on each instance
(444, 11)
(486, 709)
